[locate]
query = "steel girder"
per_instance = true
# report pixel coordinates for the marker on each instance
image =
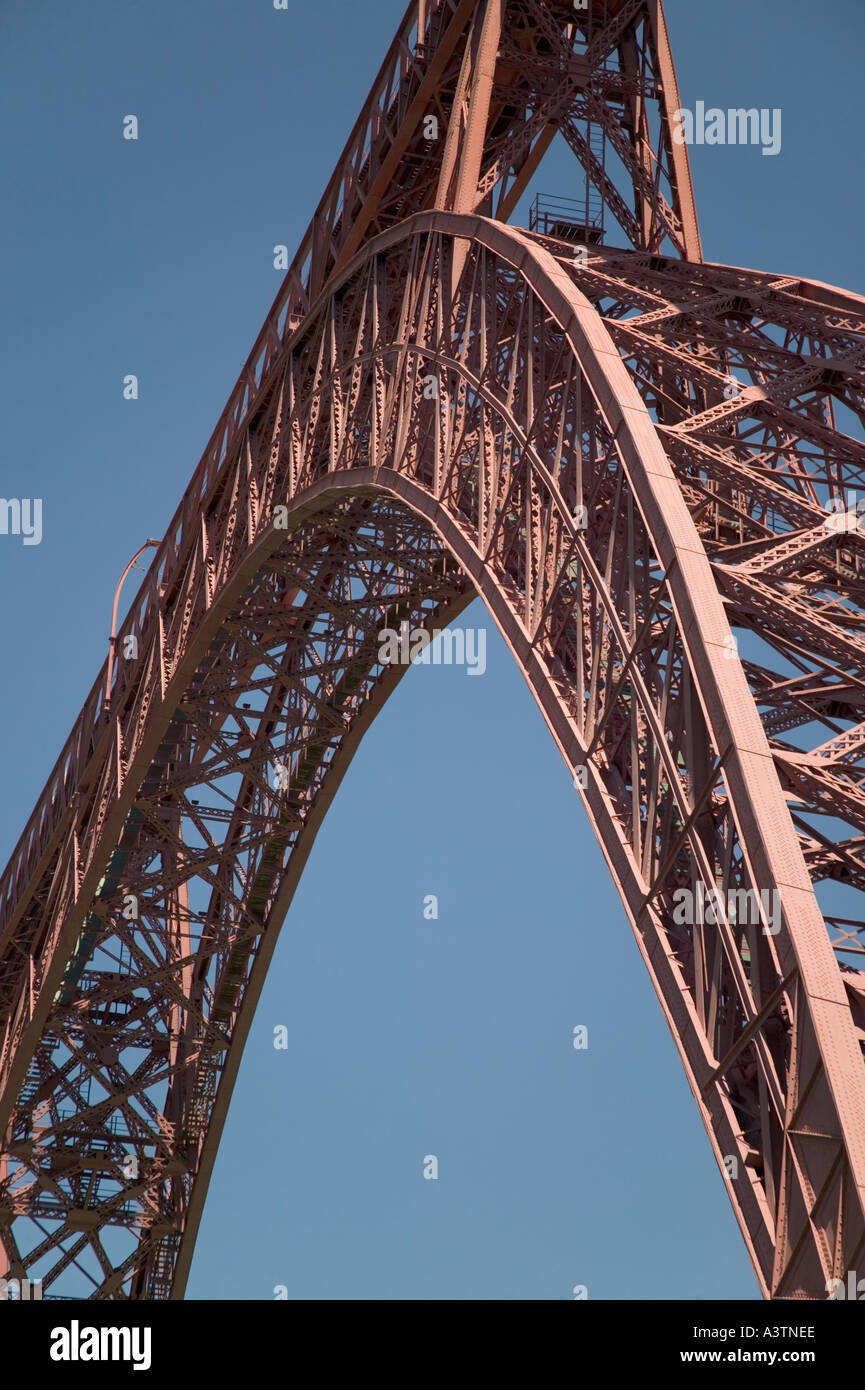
(626, 457)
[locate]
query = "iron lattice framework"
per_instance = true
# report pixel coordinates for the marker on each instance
(630, 455)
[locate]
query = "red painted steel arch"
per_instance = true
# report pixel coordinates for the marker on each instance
(621, 632)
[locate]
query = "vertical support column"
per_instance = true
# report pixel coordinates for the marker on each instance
(464, 147)
(681, 166)
(458, 183)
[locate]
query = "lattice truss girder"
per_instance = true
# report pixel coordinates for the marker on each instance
(498, 468)
(630, 457)
(127, 1066)
(551, 68)
(556, 68)
(772, 482)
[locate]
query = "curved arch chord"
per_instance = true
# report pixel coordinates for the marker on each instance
(414, 445)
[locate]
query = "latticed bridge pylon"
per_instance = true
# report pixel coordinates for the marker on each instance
(646, 466)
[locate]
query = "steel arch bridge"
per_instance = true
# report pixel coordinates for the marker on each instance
(630, 455)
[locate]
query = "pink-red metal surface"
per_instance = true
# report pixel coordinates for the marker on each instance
(629, 454)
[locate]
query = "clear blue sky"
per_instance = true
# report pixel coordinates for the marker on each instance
(406, 1037)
